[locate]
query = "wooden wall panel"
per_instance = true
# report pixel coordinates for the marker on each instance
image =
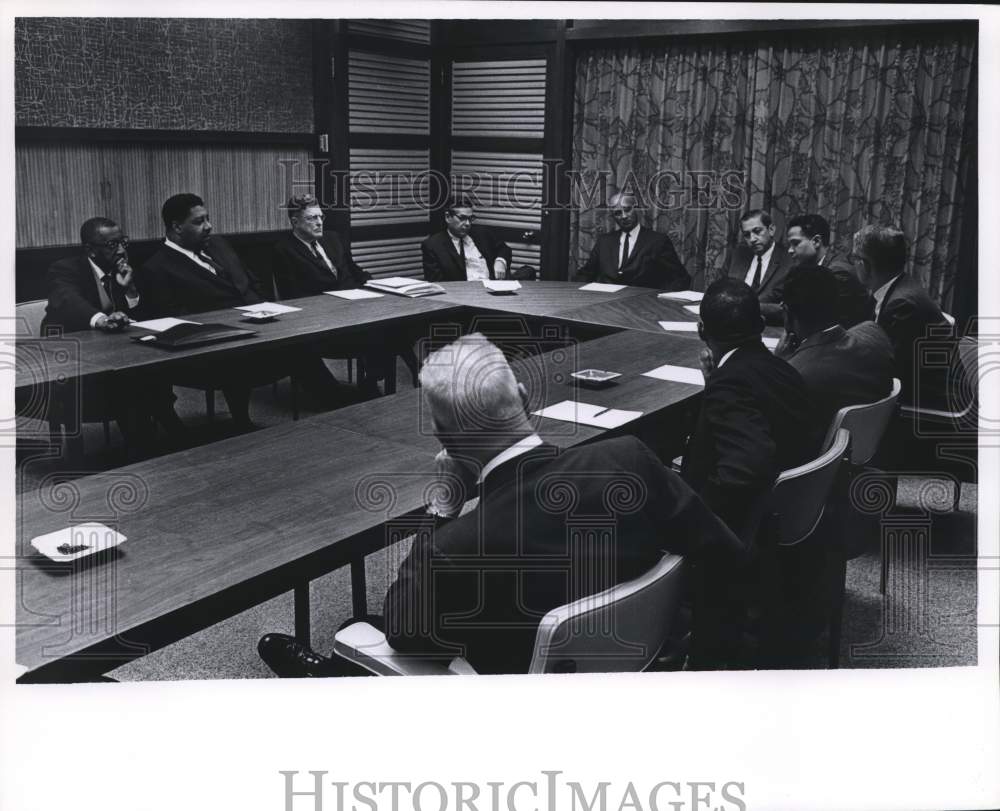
(58, 186)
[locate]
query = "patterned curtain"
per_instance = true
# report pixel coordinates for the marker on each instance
(859, 127)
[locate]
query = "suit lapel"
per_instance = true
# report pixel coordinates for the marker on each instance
(888, 296)
(483, 253)
(774, 268)
(88, 283)
(640, 242)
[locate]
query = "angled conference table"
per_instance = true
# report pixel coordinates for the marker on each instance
(215, 530)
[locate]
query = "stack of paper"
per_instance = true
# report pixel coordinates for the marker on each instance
(587, 414)
(678, 374)
(682, 295)
(354, 294)
(501, 285)
(161, 324)
(600, 287)
(402, 286)
(679, 326)
(694, 309)
(269, 308)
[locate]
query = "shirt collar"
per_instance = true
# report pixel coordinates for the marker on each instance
(305, 242)
(631, 234)
(515, 450)
(880, 294)
(98, 273)
(726, 357)
(185, 251)
(765, 258)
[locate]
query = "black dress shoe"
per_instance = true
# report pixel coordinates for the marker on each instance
(290, 659)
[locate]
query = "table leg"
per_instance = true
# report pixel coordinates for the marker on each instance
(302, 613)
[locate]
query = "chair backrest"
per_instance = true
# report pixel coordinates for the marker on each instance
(618, 630)
(867, 424)
(29, 318)
(798, 498)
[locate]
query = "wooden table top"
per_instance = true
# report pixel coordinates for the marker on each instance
(541, 298)
(202, 523)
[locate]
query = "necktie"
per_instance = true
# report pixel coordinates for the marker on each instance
(621, 264)
(314, 245)
(106, 284)
(756, 275)
(461, 251)
(220, 271)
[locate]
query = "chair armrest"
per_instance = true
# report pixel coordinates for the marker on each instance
(366, 646)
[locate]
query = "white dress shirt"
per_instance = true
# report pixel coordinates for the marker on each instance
(879, 295)
(319, 250)
(475, 263)
(765, 262)
(192, 256)
(106, 304)
(633, 235)
(512, 452)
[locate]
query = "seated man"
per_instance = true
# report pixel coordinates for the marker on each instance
(633, 254)
(760, 262)
(904, 310)
(308, 260)
(840, 367)
(97, 290)
(195, 272)
(756, 418)
(464, 251)
(809, 244)
(478, 585)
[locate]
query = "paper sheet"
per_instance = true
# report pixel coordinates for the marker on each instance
(599, 287)
(268, 307)
(694, 309)
(679, 374)
(683, 295)
(160, 324)
(587, 414)
(679, 326)
(354, 295)
(501, 285)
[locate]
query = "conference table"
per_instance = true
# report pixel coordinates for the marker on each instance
(214, 530)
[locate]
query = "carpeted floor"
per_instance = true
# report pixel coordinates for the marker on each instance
(927, 618)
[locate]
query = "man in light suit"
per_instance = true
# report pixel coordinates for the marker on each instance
(634, 254)
(809, 243)
(840, 367)
(478, 585)
(905, 311)
(97, 290)
(464, 251)
(762, 263)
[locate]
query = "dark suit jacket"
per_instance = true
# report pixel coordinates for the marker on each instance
(298, 272)
(442, 262)
(173, 285)
(755, 421)
(906, 314)
(843, 367)
(653, 262)
(74, 298)
(772, 286)
(480, 584)
(854, 303)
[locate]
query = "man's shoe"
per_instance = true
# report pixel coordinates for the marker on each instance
(290, 659)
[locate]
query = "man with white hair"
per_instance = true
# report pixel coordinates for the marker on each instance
(550, 526)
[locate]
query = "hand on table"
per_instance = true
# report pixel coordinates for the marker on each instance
(115, 322)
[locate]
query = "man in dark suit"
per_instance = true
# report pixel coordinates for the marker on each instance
(464, 251)
(308, 260)
(762, 263)
(809, 244)
(478, 585)
(906, 312)
(840, 367)
(97, 290)
(633, 254)
(756, 417)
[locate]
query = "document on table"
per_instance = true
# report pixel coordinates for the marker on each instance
(694, 309)
(501, 285)
(269, 307)
(161, 324)
(587, 414)
(355, 294)
(600, 287)
(679, 326)
(679, 374)
(683, 295)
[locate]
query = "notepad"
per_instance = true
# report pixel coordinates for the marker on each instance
(161, 324)
(269, 307)
(694, 309)
(683, 295)
(587, 414)
(354, 295)
(678, 374)
(501, 285)
(679, 326)
(770, 343)
(599, 287)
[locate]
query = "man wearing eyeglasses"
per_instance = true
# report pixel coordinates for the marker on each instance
(464, 251)
(96, 289)
(634, 254)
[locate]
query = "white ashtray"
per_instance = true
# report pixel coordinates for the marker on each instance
(72, 543)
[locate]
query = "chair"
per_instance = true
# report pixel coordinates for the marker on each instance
(866, 424)
(617, 630)
(964, 415)
(29, 315)
(792, 515)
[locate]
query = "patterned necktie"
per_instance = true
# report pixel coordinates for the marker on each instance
(624, 259)
(756, 275)
(314, 245)
(106, 284)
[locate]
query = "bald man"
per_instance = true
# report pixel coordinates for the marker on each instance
(634, 254)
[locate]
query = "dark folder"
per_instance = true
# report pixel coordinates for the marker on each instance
(183, 336)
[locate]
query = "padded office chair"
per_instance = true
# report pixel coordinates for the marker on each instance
(619, 630)
(965, 413)
(792, 514)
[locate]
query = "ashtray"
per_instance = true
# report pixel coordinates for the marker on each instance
(595, 377)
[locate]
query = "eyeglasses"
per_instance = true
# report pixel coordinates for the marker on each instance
(112, 244)
(465, 217)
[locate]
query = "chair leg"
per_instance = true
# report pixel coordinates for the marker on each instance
(210, 404)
